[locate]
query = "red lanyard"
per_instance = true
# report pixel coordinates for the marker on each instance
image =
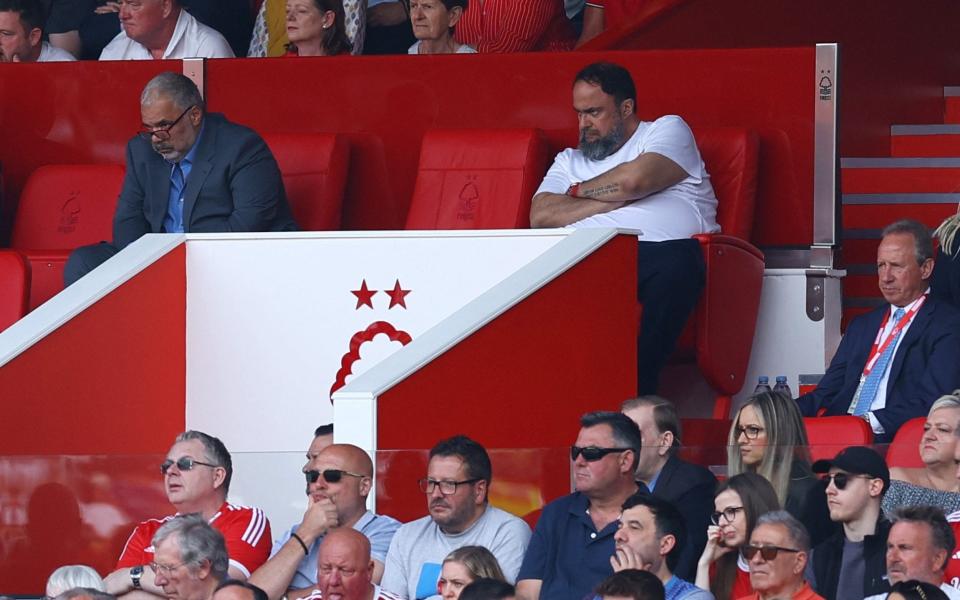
(878, 349)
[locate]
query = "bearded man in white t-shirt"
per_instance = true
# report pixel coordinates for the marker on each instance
(643, 176)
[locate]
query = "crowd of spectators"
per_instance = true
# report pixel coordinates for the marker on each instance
(64, 30)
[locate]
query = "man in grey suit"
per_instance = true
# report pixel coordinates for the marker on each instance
(189, 172)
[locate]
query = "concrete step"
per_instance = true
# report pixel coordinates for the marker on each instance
(925, 140)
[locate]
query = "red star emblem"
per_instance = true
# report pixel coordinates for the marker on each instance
(364, 295)
(397, 295)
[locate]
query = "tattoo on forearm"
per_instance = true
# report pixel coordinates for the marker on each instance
(600, 191)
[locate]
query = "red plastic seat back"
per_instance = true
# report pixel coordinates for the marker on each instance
(314, 171)
(704, 441)
(14, 287)
(730, 155)
(904, 450)
(477, 179)
(830, 435)
(66, 206)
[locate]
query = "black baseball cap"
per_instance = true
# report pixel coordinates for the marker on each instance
(858, 460)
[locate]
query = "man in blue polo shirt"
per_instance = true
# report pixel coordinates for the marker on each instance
(571, 546)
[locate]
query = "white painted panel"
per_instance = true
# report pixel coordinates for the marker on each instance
(270, 317)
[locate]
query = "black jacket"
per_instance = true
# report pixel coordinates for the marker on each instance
(807, 501)
(827, 559)
(690, 488)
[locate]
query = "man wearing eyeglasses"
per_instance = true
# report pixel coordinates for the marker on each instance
(339, 479)
(777, 555)
(189, 172)
(851, 563)
(196, 477)
(918, 548)
(456, 487)
(572, 544)
(191, 558)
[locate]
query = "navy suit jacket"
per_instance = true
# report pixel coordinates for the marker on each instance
(234, 185)
(690, 489)
(925, 367)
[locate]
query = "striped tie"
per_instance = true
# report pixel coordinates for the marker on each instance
(868, 392)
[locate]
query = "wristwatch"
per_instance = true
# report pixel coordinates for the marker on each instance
(135, 574)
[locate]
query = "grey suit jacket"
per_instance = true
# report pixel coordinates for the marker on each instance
(234, 185)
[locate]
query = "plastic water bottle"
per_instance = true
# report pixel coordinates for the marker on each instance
(782, 385)
(763, 385)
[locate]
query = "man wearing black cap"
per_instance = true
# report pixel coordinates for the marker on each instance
(851, 564)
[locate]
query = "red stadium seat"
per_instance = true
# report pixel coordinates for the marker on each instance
(63, 207)
(725, 319)
(830, 435)
(477, 179)
(314, 171)
(704, 441)
(904, 450)
(14, 287)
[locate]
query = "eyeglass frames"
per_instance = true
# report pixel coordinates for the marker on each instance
(751, 432)
(162, 133)
(329, 475)
(729, 513)
(447, 488)
(184, 463)
(766, 552)
(593, 453)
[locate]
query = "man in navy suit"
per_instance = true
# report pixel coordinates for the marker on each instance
(896, 360)
(686, 486)
(189, 172)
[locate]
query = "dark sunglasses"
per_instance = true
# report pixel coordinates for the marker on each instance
(766, 552)
(329, 475)
(592, 453)
(184, 463)
(842, 479)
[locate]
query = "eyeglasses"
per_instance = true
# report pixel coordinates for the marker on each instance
(842, 479)
(162, 133)
(184, 463)
(592, 453)
(166, 570)
(729, 513)
(751, 431)
(766, 552)
(447, 488)
(329, 475)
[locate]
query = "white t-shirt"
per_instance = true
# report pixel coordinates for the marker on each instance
(190, 39)
(679, 211)
(50, 53)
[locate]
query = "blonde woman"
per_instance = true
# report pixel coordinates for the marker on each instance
(768, 438)
(462, 567)
(945, 280)
(934, 484)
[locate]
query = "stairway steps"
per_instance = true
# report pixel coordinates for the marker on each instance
(900, 176)
(876, 211)
(925, 140)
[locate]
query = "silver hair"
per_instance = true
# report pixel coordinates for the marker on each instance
(216, 452)
(68, 577)
(795, 529)
(85, 593)
(922, 241)
(178, 88)
(198, 542)
(951, 400)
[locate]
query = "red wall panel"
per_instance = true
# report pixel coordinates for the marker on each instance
(128, 350)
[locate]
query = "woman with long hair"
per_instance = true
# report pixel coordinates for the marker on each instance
(316, 28)
(768, 438)
(945, 279)
(738, 503)
(935, 483)
(463, 566)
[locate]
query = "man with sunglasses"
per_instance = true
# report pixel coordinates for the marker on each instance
(777, 556)
(572, 544)
(687, 486)
(456, 488)
(339, 479)
(851, 563)
(196, 477)
(189, 172)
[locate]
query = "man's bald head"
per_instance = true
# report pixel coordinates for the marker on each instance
(344, 567)
(342, 473)
(352, 458)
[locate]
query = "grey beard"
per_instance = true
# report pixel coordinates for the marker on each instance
(605, 146)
